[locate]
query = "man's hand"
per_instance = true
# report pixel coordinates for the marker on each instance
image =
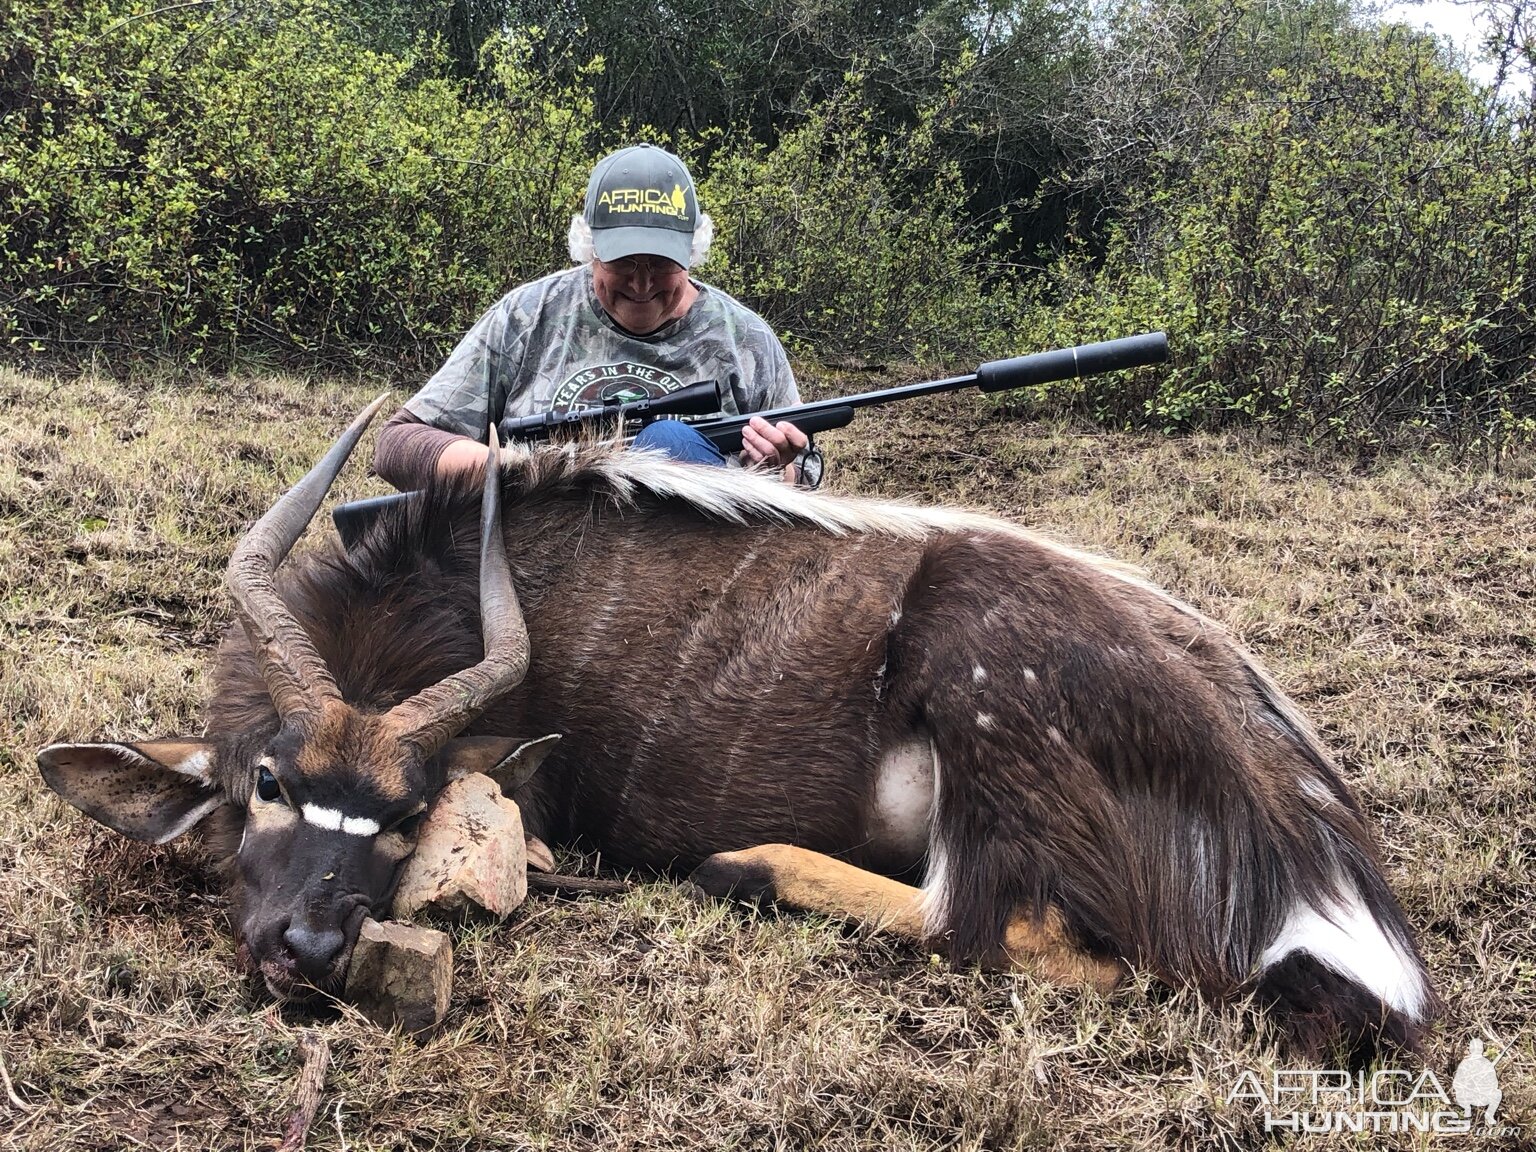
(773, 446)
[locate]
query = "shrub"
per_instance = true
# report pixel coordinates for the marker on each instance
(185, 179)
(1344, 251)
(849, 241)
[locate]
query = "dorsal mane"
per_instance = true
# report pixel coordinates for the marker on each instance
(631, 479)
(438, 523)
(442, 521)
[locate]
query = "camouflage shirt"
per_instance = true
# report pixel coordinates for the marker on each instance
(548, 346)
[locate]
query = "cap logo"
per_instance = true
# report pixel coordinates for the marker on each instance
(652, 200)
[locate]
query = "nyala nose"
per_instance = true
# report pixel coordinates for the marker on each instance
(315, 948)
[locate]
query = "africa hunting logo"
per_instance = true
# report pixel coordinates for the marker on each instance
(654, 200)
(1387, 1100)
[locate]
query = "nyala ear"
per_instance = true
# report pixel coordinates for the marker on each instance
(152, 791)
(509, 762)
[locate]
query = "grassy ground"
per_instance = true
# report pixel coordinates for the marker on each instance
(1395, 603)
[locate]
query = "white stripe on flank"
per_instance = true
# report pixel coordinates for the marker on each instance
(333, 821)
(740, 496)
(1316, 790)
(1347, 938)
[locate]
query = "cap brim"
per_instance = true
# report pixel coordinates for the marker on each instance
(617, 243)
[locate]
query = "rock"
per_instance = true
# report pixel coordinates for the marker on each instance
(401, 976)
(470, 854)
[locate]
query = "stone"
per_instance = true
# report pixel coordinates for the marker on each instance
(469, 855)
(401, 976)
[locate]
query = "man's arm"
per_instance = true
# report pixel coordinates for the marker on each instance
(441, 429)
(409, 450)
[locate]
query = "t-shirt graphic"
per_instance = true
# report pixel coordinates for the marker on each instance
(606, 384)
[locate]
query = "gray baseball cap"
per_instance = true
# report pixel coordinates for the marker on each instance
(641, 202)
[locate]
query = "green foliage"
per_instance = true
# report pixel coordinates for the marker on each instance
(999, 68)
(851, 241)
(456, 28)
(184, 179)
(1334, 226)
(1343, 250)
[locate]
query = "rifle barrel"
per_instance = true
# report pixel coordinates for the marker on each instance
(994, 376)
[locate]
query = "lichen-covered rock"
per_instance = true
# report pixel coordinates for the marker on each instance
(401, 976)
(470, 854)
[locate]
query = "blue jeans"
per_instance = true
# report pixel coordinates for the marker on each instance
(679, 441)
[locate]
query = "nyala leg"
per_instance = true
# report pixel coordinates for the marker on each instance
(814, 882)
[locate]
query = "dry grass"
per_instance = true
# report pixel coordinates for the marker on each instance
(1395, 603)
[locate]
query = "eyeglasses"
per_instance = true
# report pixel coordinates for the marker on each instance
(657, 266)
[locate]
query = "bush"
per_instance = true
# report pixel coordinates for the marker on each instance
(1344, 251)
(852, 242)
(188, 179)
(1334, 226)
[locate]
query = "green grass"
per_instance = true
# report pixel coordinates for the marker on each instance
(1394, 602)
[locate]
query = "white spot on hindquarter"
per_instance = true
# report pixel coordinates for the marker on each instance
(333, 821)
(1347, 938)
(978, 675)
(1055, 734)
(985, 722)
(1029, 676)
(904, 797)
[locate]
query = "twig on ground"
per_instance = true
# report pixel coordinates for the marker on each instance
(317, 1058)
(575, 885)
(10, 1089)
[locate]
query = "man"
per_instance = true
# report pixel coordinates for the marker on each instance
(627, 323)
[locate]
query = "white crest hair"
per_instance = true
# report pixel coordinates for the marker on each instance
(579, 240)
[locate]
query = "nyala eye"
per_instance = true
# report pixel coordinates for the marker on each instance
(266, 785)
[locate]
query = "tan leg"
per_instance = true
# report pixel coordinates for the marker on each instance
(1042, 947)
(813, 882)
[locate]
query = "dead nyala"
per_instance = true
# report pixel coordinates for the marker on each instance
(931, 720)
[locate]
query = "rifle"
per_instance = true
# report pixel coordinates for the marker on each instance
(994, 376)
(353, 519)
